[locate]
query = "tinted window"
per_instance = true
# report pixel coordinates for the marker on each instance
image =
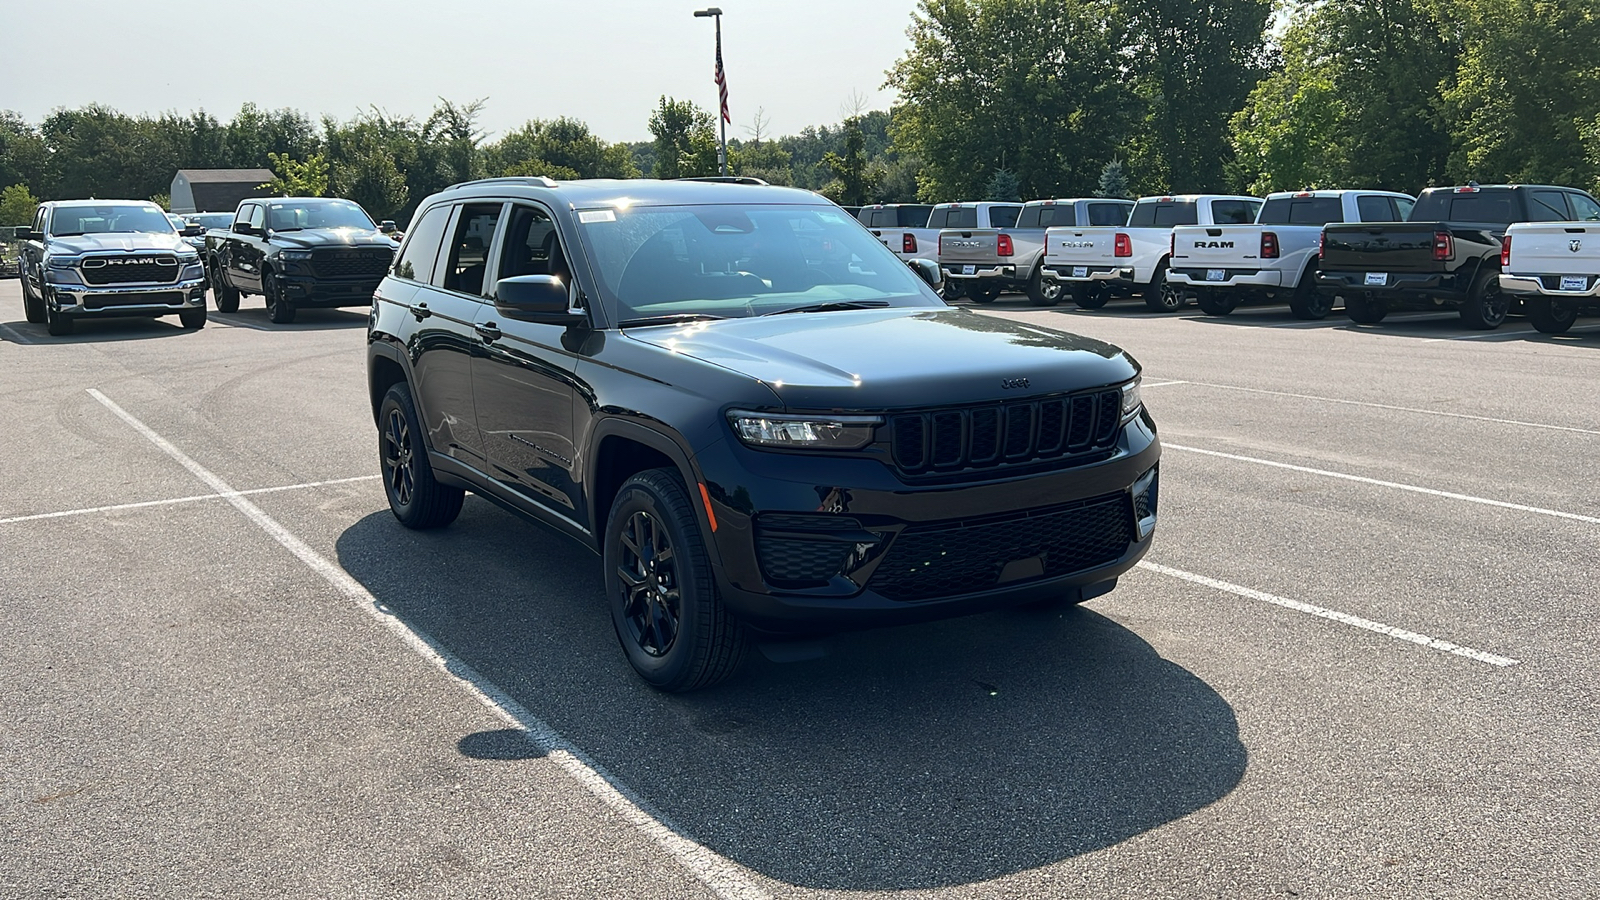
(1003, 216)
(1548, 206)
(421, 251)
(1233, 212)
(532, 246)
(878, 218)
(1308, 211)
(1370, 209)
(1047, 216)
(912, 216)
(1115, 214)
(954, 217)
(1483, 205)
(1403, 207)
(1164, 214)
(469, 249)
(1584, 209)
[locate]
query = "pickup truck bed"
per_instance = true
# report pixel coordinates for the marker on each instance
(1554, 269)
(1011, 258)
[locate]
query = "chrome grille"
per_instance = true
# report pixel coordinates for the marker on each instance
(142, 269)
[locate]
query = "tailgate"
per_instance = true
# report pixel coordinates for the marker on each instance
(969, 245)
(1391, 247)
(1199, 246)
(1080, 246)
(1555, 249)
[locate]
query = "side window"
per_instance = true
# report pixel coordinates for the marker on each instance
(1003, 216)
(938, 217)
(469, 248)
(243, 215)
(1584, 209)
(421, 251)
(532, 246)
(1548, 206)
(1375, 209)
(258, 216)
(39, 219)
(1402, 208)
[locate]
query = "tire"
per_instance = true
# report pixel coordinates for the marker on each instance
(984, 294)
(32, 304)
(1090, 295)
(1548, 317)
(951, 291)
(1307, 302)
(1366, 309)
(1161, 295)
(1486, 306)
(58, 324)
(1216, 303)
(279, 310)
(416, 498)
(193, 319)
(1041, 292)
(224, 294)
(675, 631)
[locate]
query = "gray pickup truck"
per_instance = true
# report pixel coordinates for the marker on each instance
(992, 260)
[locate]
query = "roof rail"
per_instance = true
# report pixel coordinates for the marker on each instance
(725, 179)
(532, 180)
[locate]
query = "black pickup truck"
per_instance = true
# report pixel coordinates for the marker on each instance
(297, 252)
(1446, 256)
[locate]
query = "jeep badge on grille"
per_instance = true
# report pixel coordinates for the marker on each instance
(1011, 384)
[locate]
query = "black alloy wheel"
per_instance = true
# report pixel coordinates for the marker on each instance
(416, 498)
(674, 629)
(1161, 295)
(952, 290)
(279, 310)
(1307, 302)
(1365, 309)
(1215, 303)
(225, 295)
(1550, 317)
(1486, 306)
(32, 304)
(1090, 295)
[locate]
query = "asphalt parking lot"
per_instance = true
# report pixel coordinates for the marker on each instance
(1361, 660)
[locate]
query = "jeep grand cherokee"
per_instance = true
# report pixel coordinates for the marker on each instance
(763, 421)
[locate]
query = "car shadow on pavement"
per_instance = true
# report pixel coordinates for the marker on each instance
(925, 756)
(94, 331)
(304, 320)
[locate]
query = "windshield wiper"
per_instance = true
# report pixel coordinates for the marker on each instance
(832, 305)
(670, 319)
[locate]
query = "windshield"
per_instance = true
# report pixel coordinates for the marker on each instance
(294, 215)
(68, 221)
(738, 261)
(211, 220)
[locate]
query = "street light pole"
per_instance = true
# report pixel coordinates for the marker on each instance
(715, 14)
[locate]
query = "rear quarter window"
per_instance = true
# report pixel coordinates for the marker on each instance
(421, 250)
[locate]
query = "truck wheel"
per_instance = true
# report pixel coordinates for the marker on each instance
(279, 310)
(951, 290)
(675, 630)
(1550, 317)
(1161, 295)
(1486, 307)
(225, 294)
(57, 323)
(193, 319)
(1307, 302)
(1041, 292)
(984, 294)
(1090, 295)
(32, 304)
(1216, 303)
(1366, 309)
(415, 497)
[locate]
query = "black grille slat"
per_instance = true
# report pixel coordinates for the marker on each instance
(910, 438)
(935, 561)
(351, 263)
(1052, 425)
(1019, 431)
(1110, 416)
(1080, 433)
(949, 439)
(984, 437)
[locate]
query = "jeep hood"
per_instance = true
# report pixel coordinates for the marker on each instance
(131, 242)
(313, 238)
(896, 358)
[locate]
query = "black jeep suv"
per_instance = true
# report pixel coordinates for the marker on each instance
(763, 421)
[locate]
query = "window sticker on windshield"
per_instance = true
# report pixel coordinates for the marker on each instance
(591, 216)
(831, 218)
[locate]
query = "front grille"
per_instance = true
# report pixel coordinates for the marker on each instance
(958, 440)
(932, 561)
(102, 301)
(792, 563)
(99, 270)
(351, 263)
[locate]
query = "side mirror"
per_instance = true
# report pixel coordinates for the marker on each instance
(243, 228)
(387, 226)
(536, 298)
(193, 229)
(928, 271)
(35, 235)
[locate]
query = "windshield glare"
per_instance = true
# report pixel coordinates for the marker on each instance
(298, 214)
(737, 261)
(68, 221)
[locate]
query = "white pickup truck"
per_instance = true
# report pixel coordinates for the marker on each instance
(1227, 265)
(902, 228)
(981, 262)
(1097, 263)
(1554, 268)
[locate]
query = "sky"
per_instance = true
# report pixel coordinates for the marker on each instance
(606, 62)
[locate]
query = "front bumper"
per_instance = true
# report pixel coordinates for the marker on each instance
(957, 271)
(1265, 279)
(309, 290)
(129, 300)
(1541, 286)
(894, 552)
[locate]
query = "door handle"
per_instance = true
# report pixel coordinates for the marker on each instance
(488, 332)
(421, 311)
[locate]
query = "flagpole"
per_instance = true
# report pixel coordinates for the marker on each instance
(722, 122)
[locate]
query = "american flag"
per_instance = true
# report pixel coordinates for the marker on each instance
(722, 83)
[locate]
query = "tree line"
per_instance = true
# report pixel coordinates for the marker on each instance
(999, 99)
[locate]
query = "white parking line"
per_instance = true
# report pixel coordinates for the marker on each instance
(1448, 495)
(177, 500)
(16, 335)
(724, 877)
(1408, 409)
(1502, 334)
(1333, 615)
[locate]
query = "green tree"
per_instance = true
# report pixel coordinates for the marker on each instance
(298, 179)
(23, 155)
(17, 205)
(453, 136)
(560, 148)
(1114, 181)
(854, 182)
(761, 159)
(683, 133)
(1003, 187)
(1034, 86)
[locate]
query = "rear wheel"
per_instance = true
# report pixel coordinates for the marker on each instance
(225, 294)
(1366, 309)
(1042, 292)
(1550, 317)
(1161, 295)
(675, 630)
(1090, 295)
(984, 294)
(193, 318)
(1307, 302)
(952, 290)
(1216, 303)
(279, 310)
(1486, 306)
(417, 499)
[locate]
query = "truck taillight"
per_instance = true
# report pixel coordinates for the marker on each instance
(1003, 244)
(1269, 245)
(1123, 246)
(1505, 251)
(1444, 246)
(908, 243)
(1322, 245)
(1172, 244)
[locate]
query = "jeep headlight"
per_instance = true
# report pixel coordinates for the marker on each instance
(1130, 399)
(820, 432)
(295, 255)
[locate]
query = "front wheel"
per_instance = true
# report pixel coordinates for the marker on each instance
(1549, 317)
(1486, 306)
(1216, 303)
(1042, 292)
(675, 630)
(416, 498)
(225, 294)
(193, 318)
(32, 304)
(59, 324)
(279, 310)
